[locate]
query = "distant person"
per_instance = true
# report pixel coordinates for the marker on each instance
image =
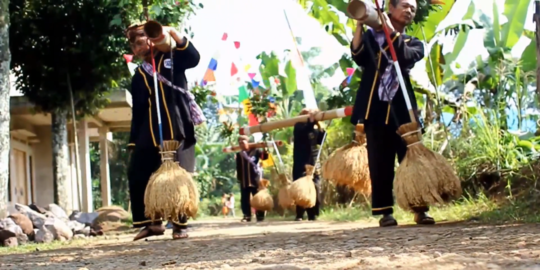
(306, 140)
(230, 205)
(249, 175)
(224, 202)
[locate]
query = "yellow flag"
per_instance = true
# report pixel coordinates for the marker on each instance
(247, 106)
(247, 67)
(268, 162)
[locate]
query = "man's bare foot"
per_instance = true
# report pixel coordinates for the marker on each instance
(151, 230)
(179, 232)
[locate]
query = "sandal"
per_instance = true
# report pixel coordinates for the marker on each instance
(179, 233)
(387, 221)
(423, 219)
(152, 230)
(246, 219)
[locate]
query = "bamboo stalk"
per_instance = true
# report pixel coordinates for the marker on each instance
(320, 116)
(237, 148)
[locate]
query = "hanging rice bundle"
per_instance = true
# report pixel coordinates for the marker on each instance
(302, 191)
(262, 201)
(348, 165)
(284, 198)
(424, 177)
(171, 190)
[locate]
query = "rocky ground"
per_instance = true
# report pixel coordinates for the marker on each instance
(228, 244)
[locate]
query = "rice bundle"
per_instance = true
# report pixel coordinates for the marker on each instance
(262, 201)
(348, 165)
(424, 177)
(171, 190)
(303, 191)
(284, 198)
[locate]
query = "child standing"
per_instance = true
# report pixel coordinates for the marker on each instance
(224, 202)
(231, 205)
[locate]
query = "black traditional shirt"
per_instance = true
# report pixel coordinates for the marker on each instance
(368, 107)
(247, 167)
(306, 139)
(174, 111)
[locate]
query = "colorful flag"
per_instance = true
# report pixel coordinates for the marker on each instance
(131, 66)
(253, 121)
(242, 93)
(209, 75)
(350, 72)
(269, 162)
(234, 70)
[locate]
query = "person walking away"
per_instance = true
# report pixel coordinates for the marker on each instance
(306, 141)
(249, 176)
(380, 103)
(144, 157)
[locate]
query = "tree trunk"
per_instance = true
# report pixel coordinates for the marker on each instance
(5, 58)
(61, 172)
(536, 18)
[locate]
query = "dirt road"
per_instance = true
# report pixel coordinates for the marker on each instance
(230, 244)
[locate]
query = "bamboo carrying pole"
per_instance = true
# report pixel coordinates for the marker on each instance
(320, 116)
(236, 148)
(424, 177)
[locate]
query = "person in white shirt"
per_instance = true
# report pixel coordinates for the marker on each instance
(230, 205)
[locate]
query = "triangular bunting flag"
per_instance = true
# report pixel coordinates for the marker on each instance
(237, 44)
(209, 76)
(234, 70)
(213, 64)
(255, 83)
(128, 57)
(253, 121)
(224, 37)
(251, 75)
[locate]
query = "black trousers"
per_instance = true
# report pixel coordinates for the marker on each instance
(144, 162)
(245, 203)
(314, 211)
(383, 144)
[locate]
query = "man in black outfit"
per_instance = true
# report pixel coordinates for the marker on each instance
(249, 174)
(177, 122)
(306, 139)
(380, 103)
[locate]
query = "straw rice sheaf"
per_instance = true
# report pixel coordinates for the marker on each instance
(284, 199)
(303, 191)
(424, 177)
(171, 190)
(262, 201)
(348, 165)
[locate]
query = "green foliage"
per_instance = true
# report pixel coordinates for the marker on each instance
(203, 94)
(52, 41)
(169, 12)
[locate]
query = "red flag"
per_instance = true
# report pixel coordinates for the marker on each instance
(253, 121)
(237, 44)
(224, 37)
(234, 70)
(128, 57)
